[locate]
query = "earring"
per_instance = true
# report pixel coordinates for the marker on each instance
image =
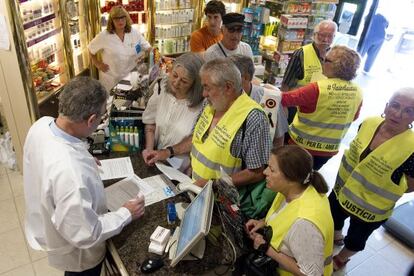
(410, 126)
(383, 115)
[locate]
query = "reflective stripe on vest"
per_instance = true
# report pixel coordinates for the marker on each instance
(311, 206)
(323, 129)
(212, 165)
(311, 64)
(368, 185)
(213, 153)
(323, 125)
(314, 138)
(364, 188)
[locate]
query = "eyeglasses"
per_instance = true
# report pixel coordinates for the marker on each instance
(235, 29)
(325, 35)
(406, 111)
(326, 60)
(119, 18)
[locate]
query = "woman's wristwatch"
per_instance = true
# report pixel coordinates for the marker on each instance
(171, 150)
(263, 248)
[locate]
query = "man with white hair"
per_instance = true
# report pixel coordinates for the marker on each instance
(305, 64)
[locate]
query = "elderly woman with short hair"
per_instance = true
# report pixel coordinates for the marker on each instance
(376, 170)
(172, 110)
(326, 108)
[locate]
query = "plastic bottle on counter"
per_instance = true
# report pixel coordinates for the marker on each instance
(122, 134)
(126, 135)
(136, 137)
(131, 136)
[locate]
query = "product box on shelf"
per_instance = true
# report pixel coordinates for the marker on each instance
(285, 47)
(292, 22)
(297, 7)
(292, 34)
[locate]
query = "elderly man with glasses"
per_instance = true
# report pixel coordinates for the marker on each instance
(231, 43)
(305, 64)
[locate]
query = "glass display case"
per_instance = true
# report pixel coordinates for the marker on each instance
(41, 36)
(174, 21)
(75, 28)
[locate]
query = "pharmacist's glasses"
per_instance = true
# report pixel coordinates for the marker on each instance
(235, 29)
(119, 18)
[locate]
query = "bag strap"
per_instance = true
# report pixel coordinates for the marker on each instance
(222, 50)
(159, 86)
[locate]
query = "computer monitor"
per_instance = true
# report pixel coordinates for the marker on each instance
(195, 223)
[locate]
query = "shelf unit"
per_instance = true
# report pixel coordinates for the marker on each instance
(173, 23)
(297, 21)
(75, 22)
(44, 52)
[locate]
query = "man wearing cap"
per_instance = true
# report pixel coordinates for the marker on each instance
(211, 33)
(231, 43)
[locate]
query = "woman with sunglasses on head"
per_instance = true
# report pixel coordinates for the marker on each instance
(300, 219)
(326, 108)
(172, 111)
(122, 48)
(376, 170)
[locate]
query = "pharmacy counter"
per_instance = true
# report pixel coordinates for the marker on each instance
(130, 248)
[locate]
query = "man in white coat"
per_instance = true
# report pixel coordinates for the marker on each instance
(66, 213)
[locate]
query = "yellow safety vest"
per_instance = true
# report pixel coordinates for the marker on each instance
(311, 64)
(364, 188)
(208, 156)
(324, 129)
(311, 206)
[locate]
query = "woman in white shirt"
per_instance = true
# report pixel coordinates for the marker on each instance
(172, 111)
(301, 240)
(122, 47)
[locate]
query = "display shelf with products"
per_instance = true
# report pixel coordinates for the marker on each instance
(39, 21)
(256, 18)
(76, 29)
(42, 35)
(173, 23)
(173, 46)
(297, 20)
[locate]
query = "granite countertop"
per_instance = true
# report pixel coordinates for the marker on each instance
(132, 243)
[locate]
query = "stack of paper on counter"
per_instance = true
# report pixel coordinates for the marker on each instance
(153, 188)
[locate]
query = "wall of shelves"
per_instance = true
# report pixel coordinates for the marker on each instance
(297, 21)
(174, 21)
(42, 33)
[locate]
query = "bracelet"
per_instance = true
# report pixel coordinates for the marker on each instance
(171, 150)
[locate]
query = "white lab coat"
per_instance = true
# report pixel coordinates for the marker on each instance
(66, 213)
(120, 56)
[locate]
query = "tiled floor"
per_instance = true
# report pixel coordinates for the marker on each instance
(16, 257)
(384, 255)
